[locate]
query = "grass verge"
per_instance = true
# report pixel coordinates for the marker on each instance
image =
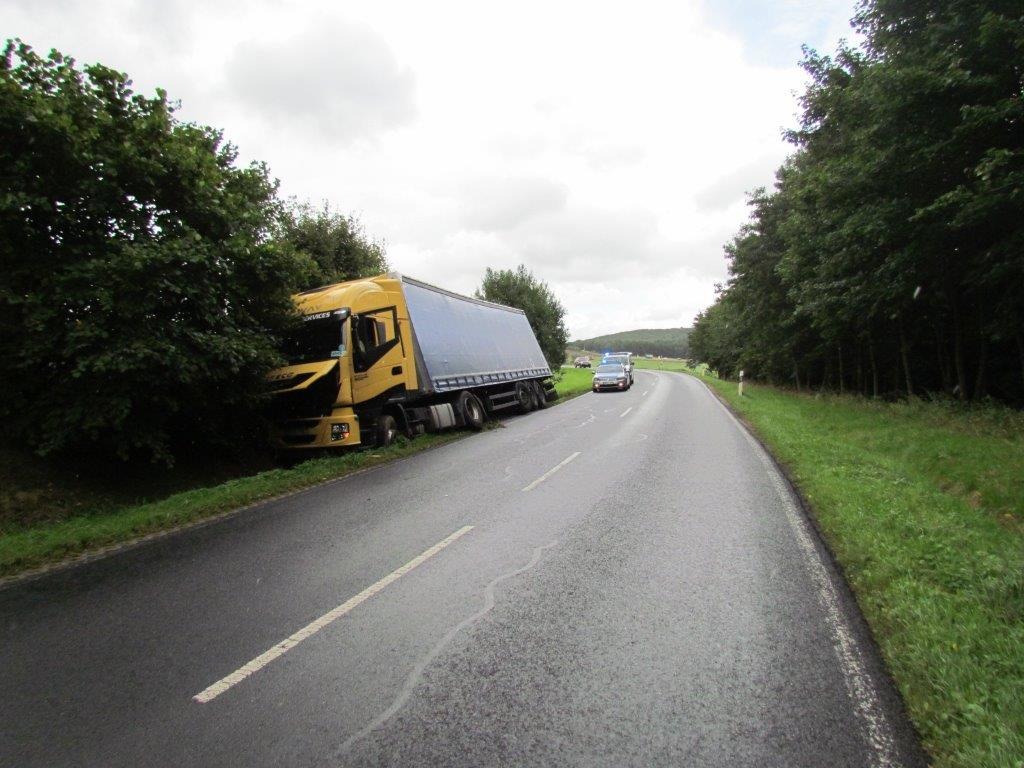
(37, 545)
(661, 364)
(93, 520)
(572, 382)
(923, 506)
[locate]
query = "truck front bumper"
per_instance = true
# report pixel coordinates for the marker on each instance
(338, 430)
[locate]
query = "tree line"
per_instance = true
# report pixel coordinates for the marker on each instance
(888, 259)
(663, 342)
(146, 278)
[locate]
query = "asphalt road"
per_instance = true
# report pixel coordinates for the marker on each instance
(621, 580)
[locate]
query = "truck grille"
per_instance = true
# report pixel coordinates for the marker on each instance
(291, 381)
(314, 401)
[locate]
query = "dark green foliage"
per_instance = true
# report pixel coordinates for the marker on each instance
(519, 288)
(665, 342)
(888, 258)
(331, 247)
(139, 292)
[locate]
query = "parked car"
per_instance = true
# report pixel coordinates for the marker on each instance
(623, 358)
(611, 376)
(581, 362)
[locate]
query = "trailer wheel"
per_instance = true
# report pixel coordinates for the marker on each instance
(472, 410)
(386, 431)
(542, 397)
(526, 397)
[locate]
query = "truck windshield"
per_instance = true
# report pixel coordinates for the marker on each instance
(316, 340)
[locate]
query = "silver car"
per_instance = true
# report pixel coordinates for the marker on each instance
(625, 358)
(611, 376)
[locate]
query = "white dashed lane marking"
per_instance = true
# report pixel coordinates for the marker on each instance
(550, 472)
(312, 628)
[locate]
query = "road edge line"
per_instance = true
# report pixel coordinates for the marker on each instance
(110, 550)
(802, 512)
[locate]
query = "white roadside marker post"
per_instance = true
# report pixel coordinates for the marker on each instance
(741, 383)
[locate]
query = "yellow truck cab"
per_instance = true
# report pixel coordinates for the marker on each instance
(388, 355)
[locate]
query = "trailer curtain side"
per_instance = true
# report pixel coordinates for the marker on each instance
(463, 342)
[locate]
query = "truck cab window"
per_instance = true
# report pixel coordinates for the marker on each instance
(315, 340)
(373, 335)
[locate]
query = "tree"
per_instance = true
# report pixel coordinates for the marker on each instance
(519, 288)
(715, 339)
(331, 247)
(140, 294)
(891, 243)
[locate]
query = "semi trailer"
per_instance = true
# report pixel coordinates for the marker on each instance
(389, 355)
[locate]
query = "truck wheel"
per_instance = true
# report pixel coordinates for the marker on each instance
(542, 397)
(387, 430)
(472, 410)
(525, 396)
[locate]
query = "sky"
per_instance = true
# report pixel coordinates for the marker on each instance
(608, 147)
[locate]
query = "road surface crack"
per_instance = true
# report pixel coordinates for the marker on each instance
(421, 666)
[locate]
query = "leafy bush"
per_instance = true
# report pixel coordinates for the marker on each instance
(140, 294)
(331, 246)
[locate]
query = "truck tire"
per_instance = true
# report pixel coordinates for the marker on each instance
(542, 397)
(386, 431)
(526, 397)
(471, 410)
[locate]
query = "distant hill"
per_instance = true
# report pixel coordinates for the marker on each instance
(667, 342)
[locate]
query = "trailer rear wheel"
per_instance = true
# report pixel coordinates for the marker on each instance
(526, 397)
(472, 410)
(387, 430)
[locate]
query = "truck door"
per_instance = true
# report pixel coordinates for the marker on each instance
(378, 354)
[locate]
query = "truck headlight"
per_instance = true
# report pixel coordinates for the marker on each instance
(339, 431)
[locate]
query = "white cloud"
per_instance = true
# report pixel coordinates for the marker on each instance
(606, 148)
(731, 188)
(502, 203)
(335, 77)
